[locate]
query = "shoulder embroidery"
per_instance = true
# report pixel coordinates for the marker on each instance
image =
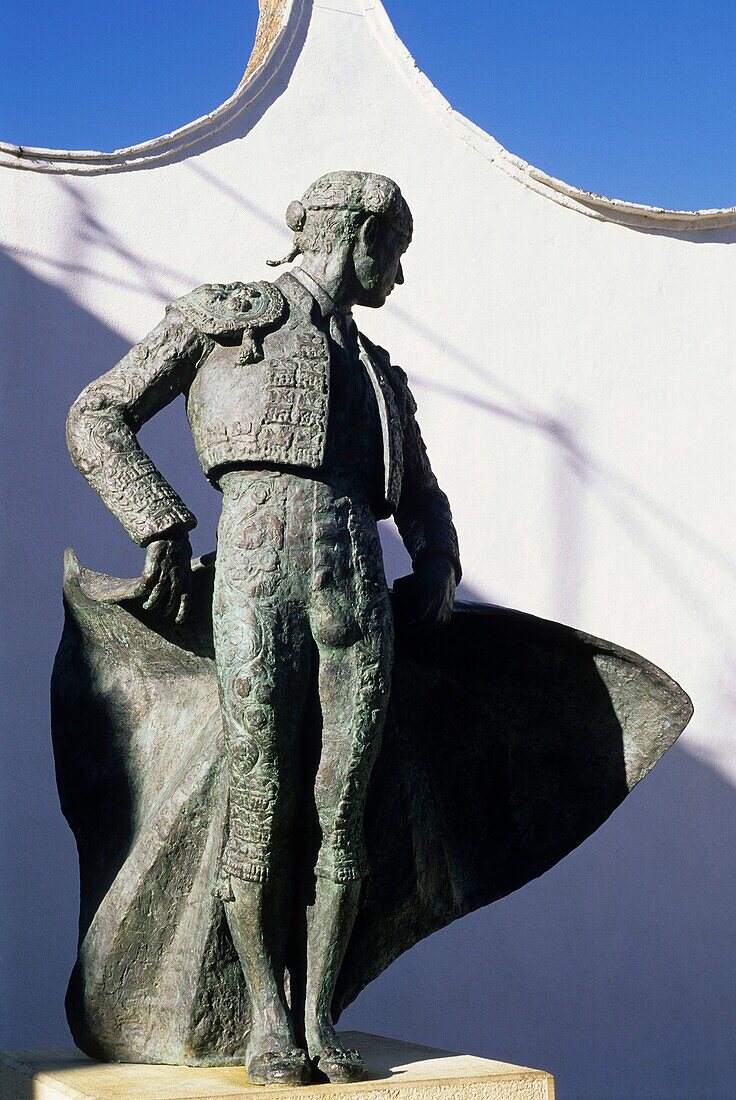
(221, 309)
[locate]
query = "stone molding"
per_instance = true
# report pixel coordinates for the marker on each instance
(574, 198)
(278, 23)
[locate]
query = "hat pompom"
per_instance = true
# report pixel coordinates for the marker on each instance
(296, 216)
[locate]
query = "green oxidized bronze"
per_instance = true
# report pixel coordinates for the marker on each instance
(309, 433)
(266, 832)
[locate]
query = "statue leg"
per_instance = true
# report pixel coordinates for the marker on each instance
(329, 925)
(258, 916)
(353, 690)
(262, 652)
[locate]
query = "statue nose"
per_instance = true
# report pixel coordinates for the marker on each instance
(399, 275)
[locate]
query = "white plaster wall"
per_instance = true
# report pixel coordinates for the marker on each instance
(575, 383)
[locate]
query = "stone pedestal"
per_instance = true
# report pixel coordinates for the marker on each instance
(397, 1071)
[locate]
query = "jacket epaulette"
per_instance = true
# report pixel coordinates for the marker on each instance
(232, 309)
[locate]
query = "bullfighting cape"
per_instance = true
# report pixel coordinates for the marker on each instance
(509, 741)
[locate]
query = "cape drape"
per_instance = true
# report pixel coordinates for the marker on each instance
(509, 740)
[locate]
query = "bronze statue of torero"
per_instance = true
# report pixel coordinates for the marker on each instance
(309, 433)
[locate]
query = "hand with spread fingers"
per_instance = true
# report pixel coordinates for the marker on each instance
(425, 597)
(166, 578)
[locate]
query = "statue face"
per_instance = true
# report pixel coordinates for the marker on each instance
(377, 260)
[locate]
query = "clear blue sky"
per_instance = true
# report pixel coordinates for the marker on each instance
(635, 100)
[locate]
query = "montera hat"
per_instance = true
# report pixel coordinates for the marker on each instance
(362, 192)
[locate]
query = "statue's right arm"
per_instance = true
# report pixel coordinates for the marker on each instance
(103, 421)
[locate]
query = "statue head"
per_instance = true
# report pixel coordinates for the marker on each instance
(352, 229)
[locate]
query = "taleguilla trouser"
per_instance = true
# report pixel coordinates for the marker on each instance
(300, 598)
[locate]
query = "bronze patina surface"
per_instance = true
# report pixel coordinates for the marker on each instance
(280, 777)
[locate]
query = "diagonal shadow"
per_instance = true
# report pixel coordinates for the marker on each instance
(528, 415)
(614, 970)
(625, 501)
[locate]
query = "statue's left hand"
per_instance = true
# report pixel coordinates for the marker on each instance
(425, 598)
(166, 577)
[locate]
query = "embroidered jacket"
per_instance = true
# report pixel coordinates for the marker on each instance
(255, 370)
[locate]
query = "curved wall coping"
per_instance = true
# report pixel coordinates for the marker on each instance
(277, 25)
(575, 198)
(278, 21)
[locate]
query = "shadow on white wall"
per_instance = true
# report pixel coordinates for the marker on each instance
(619, 955)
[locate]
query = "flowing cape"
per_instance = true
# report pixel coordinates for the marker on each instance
(509, 740)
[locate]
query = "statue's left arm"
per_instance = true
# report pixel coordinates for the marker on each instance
(424, 521)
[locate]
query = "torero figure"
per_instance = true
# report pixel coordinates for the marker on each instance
(309, 433)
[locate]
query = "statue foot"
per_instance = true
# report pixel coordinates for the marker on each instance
(340, 1064)
(280, 1067)
(337, 1062)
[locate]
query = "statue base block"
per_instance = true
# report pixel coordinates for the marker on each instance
(396, 1071)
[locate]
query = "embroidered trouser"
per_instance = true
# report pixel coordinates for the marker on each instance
(300, 608)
